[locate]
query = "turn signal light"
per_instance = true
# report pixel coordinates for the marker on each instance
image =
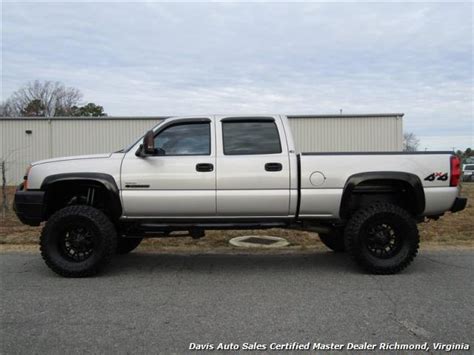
(25, 178)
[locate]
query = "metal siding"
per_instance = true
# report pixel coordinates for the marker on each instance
(57, 138)
(347, 134)
(68, 136)
(64, 137)
(19, 148)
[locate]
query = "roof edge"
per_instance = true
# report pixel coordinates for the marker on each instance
(118, 118)
(355, 115)
(85, 118)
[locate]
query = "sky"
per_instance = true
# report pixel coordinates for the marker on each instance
(153, 58)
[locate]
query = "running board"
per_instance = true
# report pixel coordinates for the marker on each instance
(195, 229)
(210, 225)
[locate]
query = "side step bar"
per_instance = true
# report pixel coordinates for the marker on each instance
(163, 229)
(185, 226)
(195, 229)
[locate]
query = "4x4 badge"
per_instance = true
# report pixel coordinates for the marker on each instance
(437, 176)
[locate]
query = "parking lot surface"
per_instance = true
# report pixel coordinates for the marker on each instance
(160, 303)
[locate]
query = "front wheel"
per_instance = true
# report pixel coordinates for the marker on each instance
(382, 238)
(78, 241)
(334, 240)
(126, 245)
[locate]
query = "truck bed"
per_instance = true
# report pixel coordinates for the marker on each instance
(324, 177)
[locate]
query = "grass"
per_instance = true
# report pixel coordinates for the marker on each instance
(453, 230)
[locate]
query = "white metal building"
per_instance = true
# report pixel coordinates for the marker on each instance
(24, 140)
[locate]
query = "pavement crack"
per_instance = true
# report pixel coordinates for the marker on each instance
(418, 332)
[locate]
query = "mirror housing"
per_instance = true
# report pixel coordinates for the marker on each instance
(147, 148)
(149, 143)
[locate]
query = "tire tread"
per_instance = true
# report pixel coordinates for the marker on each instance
(334, 240)
(355, 223)
(127, 245)
(102, 222)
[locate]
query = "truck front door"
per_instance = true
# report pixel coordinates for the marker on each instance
(180, 180)
(253, 170)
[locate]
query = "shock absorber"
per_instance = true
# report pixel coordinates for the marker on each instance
(90, 196)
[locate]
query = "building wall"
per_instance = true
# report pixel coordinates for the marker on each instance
(63, 137)
(347, 133)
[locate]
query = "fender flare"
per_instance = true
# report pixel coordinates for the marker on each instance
(106, 180)
(411, 179)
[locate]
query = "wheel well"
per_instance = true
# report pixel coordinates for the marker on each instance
(398, 192)
(80, 192)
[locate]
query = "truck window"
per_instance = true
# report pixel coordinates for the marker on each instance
(247, 137)
(185, 139)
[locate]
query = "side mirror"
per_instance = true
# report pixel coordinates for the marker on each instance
(149, 143)
(148, 146)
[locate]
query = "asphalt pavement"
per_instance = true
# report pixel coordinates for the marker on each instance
(160, 303)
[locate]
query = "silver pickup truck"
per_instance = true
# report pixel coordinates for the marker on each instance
(233, 172)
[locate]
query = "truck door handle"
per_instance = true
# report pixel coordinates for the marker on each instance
(273, 167)
(204, 167)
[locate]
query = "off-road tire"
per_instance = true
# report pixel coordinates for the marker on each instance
(126, 245)
(103, 236)
(334, 240)
(357, 237)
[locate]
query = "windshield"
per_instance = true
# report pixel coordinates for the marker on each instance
(469, 167)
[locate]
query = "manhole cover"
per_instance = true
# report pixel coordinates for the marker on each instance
(259, 241)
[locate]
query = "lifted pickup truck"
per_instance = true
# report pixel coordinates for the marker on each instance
(232, 172)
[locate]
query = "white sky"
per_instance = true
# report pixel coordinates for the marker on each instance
(181, 58)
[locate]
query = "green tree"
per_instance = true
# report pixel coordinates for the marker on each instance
(89, 110)
(467, 157)
(34, 108)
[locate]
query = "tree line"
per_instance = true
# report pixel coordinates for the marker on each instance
(467, 157)
(411, 143)
(48, 99)
(54, 99)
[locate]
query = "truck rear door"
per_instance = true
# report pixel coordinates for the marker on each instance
(253, 170)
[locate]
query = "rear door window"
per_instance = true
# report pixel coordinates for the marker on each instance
(250, 138)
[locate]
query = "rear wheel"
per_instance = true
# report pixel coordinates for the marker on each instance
(382, 238)
(126, 245)
(78, 241)
(334, 240)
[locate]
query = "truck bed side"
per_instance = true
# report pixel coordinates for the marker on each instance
(324, 178)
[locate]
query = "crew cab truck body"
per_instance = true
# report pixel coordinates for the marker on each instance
(232, 172)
